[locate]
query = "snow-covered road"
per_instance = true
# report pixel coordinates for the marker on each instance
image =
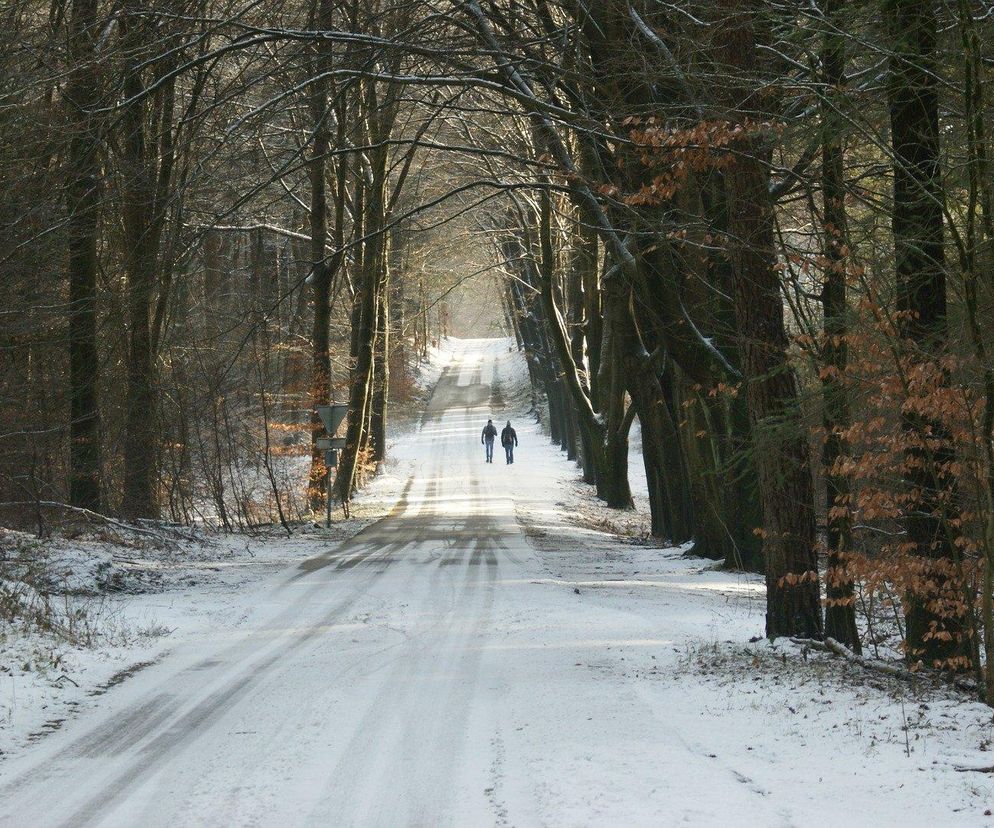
(437, 670)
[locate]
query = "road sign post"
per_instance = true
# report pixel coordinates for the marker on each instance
(332, 417)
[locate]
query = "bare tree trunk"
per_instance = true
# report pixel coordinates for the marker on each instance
(977, 275)
(793, 603)
(365, 324)
(381, 371)
(711, 512)
(83, 198)
(840, 610)
(666, 470)
(612, 484)
(939, 638)
(141, 226)
(320, 281)
(593, 315)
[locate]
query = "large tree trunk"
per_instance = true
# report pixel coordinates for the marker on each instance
(612, 474)
(793, 603)
(612, 433)
(711, 513)
(381, 372)
(586, 337)
(141, 232)
(368, 301)
(939, 638)
(666, 469)
(360, 386)
(83, 205)
(840, 610)
(742, 513)
(320, 280)
(593, 330)
(524, 319)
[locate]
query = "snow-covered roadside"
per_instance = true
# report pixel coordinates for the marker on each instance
(496, 656)
(121, 600)
(173, 595)
(788, 724)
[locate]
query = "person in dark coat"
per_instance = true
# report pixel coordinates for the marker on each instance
(509, 439)
(487, 438)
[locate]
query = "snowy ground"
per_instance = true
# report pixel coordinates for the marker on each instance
(124, 601)
(487, 654)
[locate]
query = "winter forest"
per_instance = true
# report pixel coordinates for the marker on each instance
(741, 250)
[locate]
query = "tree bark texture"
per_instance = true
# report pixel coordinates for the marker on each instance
(320, 280)
(840, 609)
(793, 602)
(83, 197)
(938, 638)
(142, 226)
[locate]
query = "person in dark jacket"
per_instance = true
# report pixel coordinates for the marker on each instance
(487, 438)
(509, 439)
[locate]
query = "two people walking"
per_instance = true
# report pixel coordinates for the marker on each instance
(508, 439)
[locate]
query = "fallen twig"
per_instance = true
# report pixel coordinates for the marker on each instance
(53, 504)
(174, 529)
(830, 645)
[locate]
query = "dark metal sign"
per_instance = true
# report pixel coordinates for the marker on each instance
(328, 443)
(332, 416)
